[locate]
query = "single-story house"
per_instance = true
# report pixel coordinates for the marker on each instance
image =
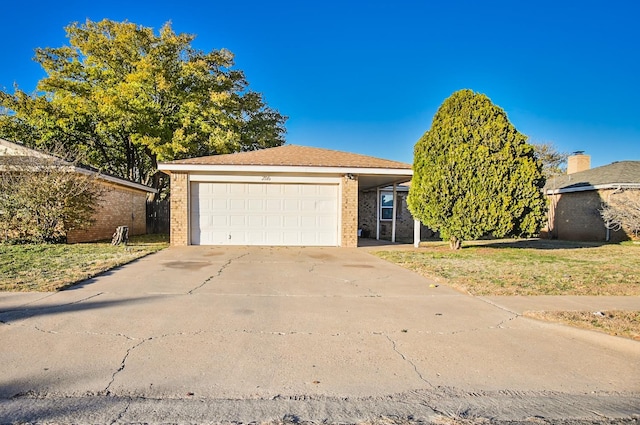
(123, 202)
(576, 198)
(288, 195)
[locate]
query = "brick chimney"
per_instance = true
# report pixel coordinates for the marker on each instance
(577, 162)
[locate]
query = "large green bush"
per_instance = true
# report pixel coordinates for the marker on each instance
(475, 175)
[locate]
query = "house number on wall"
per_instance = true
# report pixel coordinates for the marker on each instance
(266, 178)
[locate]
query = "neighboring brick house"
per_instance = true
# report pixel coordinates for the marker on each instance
(576, 198)
(123, 202)
(289, 196)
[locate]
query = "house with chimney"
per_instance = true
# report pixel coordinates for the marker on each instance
(575, 199)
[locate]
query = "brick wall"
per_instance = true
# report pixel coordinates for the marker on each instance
(118, 206)
(575, 216)
(179, 209)
(349, 212)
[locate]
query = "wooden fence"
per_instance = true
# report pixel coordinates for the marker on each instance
(158, 216)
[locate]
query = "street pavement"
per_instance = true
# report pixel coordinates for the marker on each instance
(259, 334)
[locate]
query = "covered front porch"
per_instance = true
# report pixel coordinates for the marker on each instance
(382, 211)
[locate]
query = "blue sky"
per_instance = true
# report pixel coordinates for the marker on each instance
(367, 77)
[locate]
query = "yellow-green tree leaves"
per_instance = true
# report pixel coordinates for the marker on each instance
(127, 98)
(475, 175)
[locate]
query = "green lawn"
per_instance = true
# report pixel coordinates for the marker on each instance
(537, 267)
(528, 267)
(51, 267)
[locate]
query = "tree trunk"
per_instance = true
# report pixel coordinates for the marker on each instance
(121, 236)
(455, 243)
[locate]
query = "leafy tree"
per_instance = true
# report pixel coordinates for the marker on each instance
(43, 197)
(128, 98)
(554, 163)
(475, 175)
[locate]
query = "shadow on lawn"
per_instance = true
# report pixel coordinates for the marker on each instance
(542, 244)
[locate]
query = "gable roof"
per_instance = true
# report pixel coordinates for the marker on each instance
(296, 156)
(8, 148)
(620, 174)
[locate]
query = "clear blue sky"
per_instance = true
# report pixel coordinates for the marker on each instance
(367, 77)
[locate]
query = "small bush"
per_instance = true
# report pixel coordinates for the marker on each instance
(43, 197)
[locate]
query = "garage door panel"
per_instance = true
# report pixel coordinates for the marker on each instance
(264, 214)
(308, 222)
(273, 221)
(255, 204)
(273, 205)
(291, 205)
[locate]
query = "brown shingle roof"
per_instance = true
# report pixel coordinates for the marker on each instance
(294, 155)
(622, 172)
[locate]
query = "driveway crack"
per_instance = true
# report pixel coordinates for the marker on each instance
(415, 368)
(210, 278)
(121, 414)
(123, 364)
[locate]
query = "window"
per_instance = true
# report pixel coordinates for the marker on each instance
(386, 206)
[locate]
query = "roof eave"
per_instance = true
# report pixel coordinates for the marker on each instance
(116, 180)
(283, 169)
(592, 187)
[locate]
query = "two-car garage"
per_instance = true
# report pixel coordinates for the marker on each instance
(283, 196)
(291, 214)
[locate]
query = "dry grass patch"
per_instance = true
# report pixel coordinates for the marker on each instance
(52, 267)
(619, 323)
(528, 267)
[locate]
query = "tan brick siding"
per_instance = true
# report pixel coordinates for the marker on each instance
(118, 206)
(349, 212)
(575, 216)
(179, 209)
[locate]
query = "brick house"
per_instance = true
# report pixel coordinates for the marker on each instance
(123, 202)
(576, 198)
(288, 195)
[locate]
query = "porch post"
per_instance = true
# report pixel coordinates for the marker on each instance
(393, 211)
(416, 233)
(378, 214)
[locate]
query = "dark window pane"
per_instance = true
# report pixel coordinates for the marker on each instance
(386, 214)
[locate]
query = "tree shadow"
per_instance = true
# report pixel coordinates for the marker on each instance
(23, 312)
(541, 244)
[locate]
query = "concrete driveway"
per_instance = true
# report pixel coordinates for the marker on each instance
(206, 334)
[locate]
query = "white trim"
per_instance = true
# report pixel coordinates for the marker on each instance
(394, 212)
(195, 168)
(266, 178)
(593, 187)
(378, 214)
(340, 208)
(399, 188)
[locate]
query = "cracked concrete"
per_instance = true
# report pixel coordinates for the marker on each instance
(415, 368)
(219, 272)
(329, 333)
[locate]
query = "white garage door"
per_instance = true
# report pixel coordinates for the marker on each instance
(264, 214)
